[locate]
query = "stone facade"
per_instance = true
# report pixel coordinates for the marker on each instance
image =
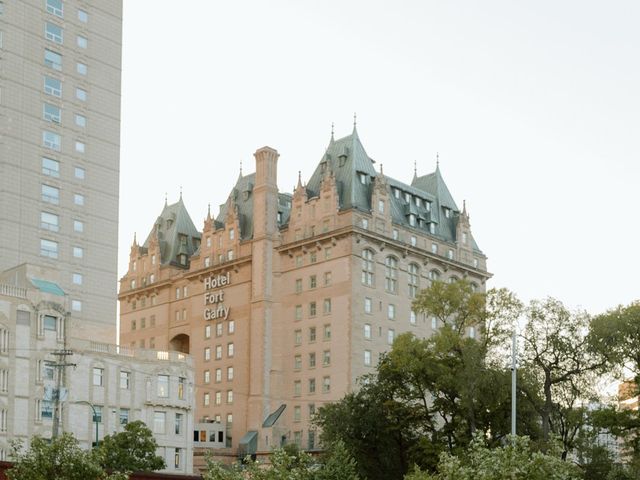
(37, 332)
(60, 65)
(287, 300)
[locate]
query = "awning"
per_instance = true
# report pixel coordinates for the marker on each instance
(248, 443)
(47, 287)
(273, 418)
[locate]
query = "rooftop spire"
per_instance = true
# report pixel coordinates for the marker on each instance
(355, 120)
(135, 240)
(180, 192)
(209, 211)
(299, 179)
(437, 160)
(381, 172)
(241, 168)
(165, 199)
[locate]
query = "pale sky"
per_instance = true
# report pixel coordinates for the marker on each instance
(533, 107)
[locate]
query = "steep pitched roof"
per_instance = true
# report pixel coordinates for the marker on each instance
(175, 232)
(434, 184)
(240, 196)
(346, 158)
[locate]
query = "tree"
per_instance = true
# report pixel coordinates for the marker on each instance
(61, 458)
(558, 353)
(132, 450)
(337, 464)
(514, 461)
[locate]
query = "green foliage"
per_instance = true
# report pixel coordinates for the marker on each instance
(515, 461)
(132, 450)
(61, 458)
(289, 463)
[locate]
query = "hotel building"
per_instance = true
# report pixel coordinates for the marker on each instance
(283, 300)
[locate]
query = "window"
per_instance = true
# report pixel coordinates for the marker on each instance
(49, 221)
(81, 41)
(412, 220)
(206, 399)
(124, 416)
(367, 305)
(475, 263)
(81, 120)
(298, 312)
(380, 206)
(79, 173)
(367, 358)
(48, 248)
(297, 413)
(365, 223)
(52, 86)
(327, 278)
(50, 167)
(391, 275)
(313, 257)
(207, 353)
(178, 424)
(414, 280)
(327, 253)
(125, 380)
(434, 323)
(363, 178)
(312, 359)
(297, 337)
(298, 260)
(327, 332)
(367, 331)
(326, 384)
(83, 16)
(367, 267)
(229, 374)
(53, 60)
(297, 388)
(230, 255)
(312, 385)
(232, 234)
(207, 262)
(326, 358)
(207, 331)
(391, 311)
(434, 275)
(50, 194)
(464, 238)
(297, 362)
(78, 226)
(98, 374)
(163, 385)
(391, 336)
(77, 278)
(447, 212)
(312, 334)
(313, 282)
(413, 318)
(78, 252)
(229, 396)
(207, 376)
(231, 327)
(53, 32)
(434, 247)
(414, 241)
(80, 146)
(450, 254)
(298, 285)
(51, 140)
(159, 422)
(218, 352)
(396, 234)
(230, 350)
(81, 68)
(78, 199)
(181, 385)
(81, 94)
(49, 322)
(219, 329)
(326, 306)
(54, 7)
(312, 309)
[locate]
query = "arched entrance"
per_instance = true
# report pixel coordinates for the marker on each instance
(180, 343)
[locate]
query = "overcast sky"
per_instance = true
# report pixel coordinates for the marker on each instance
(533, 107)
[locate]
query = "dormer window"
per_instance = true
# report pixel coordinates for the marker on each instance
(232, 234)
(363, 178)
(279, 217)
(396, 193)
(432, 228)
(182, 258)
(418, 201)
(407, 197)
(427, 206)
(412, 220)
(447, 212)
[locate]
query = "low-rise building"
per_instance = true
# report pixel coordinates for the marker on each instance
(52, 382)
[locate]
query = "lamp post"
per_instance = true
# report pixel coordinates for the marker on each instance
(95, 416)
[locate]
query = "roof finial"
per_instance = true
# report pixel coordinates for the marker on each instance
(355, 119)
(381, 172)
(165, 199)
(332, 127)
(209, 210)
(299, 179)
(437, 159)
(240, 167)
(180, 192)
(415, 168)
(135, 239)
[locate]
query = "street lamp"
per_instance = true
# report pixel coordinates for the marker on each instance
(95, 416)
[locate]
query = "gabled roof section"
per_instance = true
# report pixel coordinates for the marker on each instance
(346, 158)
(434, 184)
(242, 197)
(175, 233)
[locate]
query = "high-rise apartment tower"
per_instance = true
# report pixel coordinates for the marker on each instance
(60, 69)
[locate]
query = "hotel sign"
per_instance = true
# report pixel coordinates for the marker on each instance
(214, 297)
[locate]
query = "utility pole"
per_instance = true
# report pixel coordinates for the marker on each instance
(513, 383)
(60, 367)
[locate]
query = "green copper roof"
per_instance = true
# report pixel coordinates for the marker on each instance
(47, 287)
(175, 232)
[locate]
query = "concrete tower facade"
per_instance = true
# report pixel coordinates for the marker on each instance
(60, 69)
